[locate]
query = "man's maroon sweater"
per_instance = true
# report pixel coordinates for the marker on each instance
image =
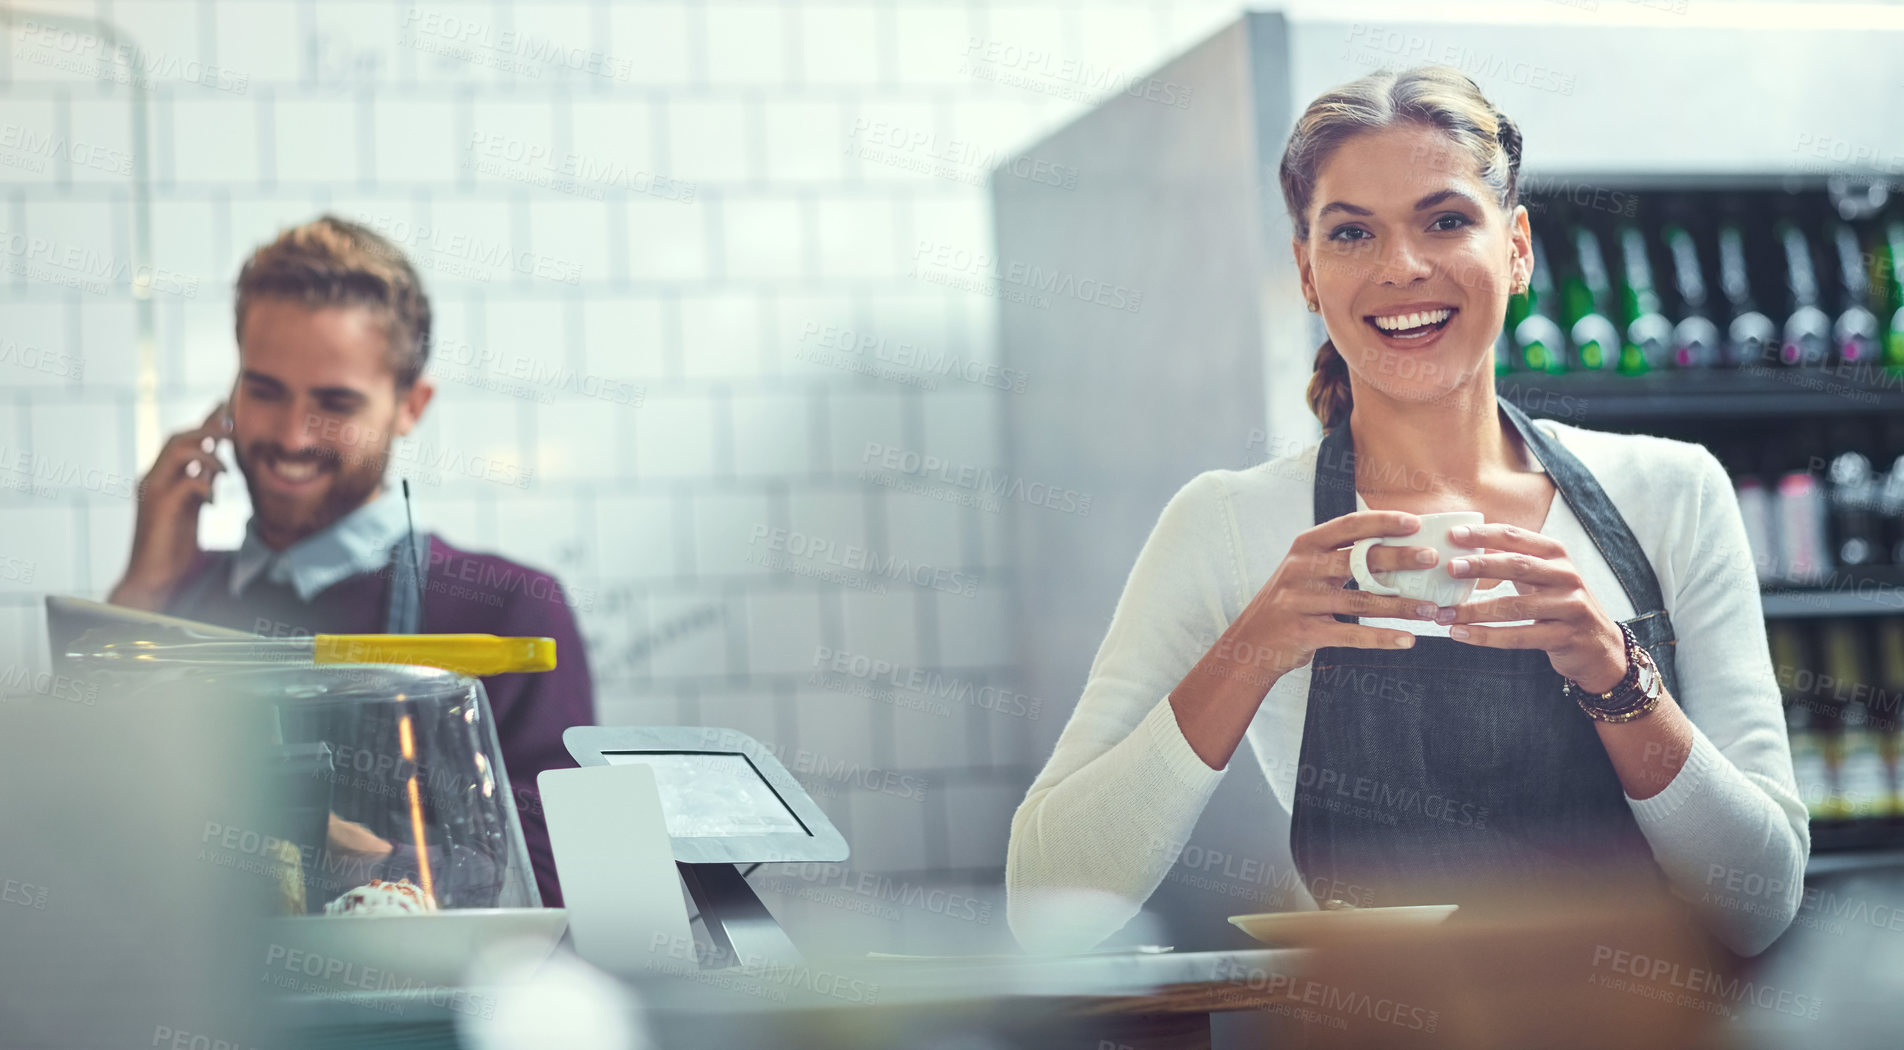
(467, 593)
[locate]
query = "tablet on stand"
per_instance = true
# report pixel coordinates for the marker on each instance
(726, 800)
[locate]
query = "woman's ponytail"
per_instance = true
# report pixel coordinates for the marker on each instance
(1329, 393)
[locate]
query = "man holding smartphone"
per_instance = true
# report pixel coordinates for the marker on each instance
(333, 334)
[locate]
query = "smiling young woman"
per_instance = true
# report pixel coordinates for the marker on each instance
(1602, 707)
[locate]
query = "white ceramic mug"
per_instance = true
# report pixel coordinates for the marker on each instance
(1432, 584)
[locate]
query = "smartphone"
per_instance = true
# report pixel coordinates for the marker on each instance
(230, 396)
(225, 416)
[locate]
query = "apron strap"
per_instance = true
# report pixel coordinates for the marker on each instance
(403, 606)
(1602, 521)
(1335, 475)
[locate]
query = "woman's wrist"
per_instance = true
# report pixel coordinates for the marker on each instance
(1613, 671)
(1610, 669)
(1237, 666)
(1634, 695)
(1217, 700)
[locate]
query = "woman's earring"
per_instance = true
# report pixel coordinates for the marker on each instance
(1313, 308)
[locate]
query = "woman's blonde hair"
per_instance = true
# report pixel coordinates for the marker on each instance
(1431, 96)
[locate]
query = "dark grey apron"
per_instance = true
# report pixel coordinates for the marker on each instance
(1433, 774)
(403, 605)
(403, 609)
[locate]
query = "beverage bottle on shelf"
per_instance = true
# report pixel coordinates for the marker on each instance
(1885, 716)
(1761, 533)
(1754, 505)
(1890, 510)
(1854, 334)
(1539, 344)
(1889, 271)
(1889, 505)
(1696, 342)
(1851, 764)
(1792, 666)
(1751, 338)
(1587, 309)
(1857, 531)
(1867, 790)
(1888, 501)
(1807, 331)
(1649, 335)
(1801, 515)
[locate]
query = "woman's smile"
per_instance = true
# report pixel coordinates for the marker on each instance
(1413, 326)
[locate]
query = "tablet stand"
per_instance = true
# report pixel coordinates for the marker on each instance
(739, 926)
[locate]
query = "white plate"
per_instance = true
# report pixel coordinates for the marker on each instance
(1291, 929)
(432, 949)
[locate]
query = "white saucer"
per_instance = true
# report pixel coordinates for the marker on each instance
(1292, 929)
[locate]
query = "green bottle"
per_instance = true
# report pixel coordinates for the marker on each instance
(1539, 344)
(1889, 258)
(1596, 341)
(1649, 335)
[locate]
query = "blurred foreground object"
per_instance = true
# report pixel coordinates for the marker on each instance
(125, 919)
(1607, 966)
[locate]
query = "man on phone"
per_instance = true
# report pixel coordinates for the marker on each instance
(333, 334)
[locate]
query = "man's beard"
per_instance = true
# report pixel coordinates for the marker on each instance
(353, 481)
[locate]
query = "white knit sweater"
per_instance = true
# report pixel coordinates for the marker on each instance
(1121, 792)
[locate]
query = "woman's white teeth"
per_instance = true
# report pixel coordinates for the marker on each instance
(1403, 322)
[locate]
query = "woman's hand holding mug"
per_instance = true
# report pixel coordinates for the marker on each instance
(1429, 585)
(1293, 614)
(1580, 639)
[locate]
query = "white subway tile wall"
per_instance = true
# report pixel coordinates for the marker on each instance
(671, 248)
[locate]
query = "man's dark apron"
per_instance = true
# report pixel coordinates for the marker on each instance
(1430, 775)
(403, 604)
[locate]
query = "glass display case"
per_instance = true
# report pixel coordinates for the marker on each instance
(389, 787)
(390, 840)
